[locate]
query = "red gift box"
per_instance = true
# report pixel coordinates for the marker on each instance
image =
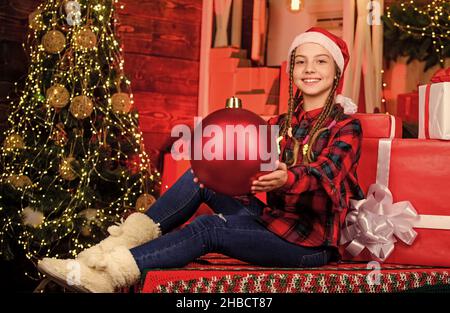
(378, 125)
(418, 173)
(408, 107)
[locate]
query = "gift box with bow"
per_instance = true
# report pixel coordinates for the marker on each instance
(405, 218)
(434, 107)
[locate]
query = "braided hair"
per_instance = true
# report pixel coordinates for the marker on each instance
(318, 128)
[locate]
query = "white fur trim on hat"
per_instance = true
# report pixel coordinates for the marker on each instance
(347, 104)
(324, 41)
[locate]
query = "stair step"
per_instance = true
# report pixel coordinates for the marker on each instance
(253, 78)
(228, 52)
(262, 104)
(244, 63)
(224, 65)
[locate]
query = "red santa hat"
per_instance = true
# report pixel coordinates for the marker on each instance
(337, 49)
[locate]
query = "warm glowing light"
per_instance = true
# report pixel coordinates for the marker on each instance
(295, 5)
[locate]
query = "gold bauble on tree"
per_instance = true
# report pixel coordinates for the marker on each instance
(121, 102)
(54, 41)
(57, 96)
(13, 141)
(86, 231)
(144, 202)
(19, 181)
(85, 38)
(65, 169)
(81, 107)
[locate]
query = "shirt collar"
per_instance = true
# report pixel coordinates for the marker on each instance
(310, 115)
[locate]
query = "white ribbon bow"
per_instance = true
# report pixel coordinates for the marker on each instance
(372, 223)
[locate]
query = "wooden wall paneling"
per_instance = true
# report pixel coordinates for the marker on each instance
(186, 11)
(163, 75)
(12, 28)
(156, 37)
(160, 112)
(13, 62)
(14, 18)
(161, 44)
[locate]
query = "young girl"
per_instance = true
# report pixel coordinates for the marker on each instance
(308, 194)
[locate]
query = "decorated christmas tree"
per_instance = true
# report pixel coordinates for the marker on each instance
(73, 161)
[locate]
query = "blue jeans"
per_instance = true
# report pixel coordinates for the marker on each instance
(234, 231)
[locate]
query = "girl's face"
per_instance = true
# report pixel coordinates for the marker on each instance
(314, 69)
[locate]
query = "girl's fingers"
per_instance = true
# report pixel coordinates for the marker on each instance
(202, 186)
(262, 183)
(282, 166)
(261, 189)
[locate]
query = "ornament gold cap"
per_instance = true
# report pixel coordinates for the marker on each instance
(233, 103)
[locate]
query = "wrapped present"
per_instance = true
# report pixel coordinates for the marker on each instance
(408, 107)
(434, 107)
(405, 218)
(379, 125)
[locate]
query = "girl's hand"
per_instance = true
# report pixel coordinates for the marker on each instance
(271, 181)
(196, 180)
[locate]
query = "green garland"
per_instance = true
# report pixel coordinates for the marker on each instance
(418, 32)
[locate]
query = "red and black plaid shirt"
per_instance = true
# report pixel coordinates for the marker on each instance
(310, 208)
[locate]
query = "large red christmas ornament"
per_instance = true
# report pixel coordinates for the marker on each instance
(227, 157)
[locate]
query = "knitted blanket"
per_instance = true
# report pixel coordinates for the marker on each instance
(215, 273)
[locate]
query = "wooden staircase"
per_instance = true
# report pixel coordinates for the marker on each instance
(231, 74)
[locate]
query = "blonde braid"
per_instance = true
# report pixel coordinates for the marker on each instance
(288, 120)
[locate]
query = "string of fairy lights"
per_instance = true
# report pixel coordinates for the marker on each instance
(433, 12)
(38, 143)
(437, 31)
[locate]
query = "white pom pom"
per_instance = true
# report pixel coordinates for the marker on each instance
(115, 230)
(347, 104)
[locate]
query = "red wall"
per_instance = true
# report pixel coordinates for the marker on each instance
(161, 42)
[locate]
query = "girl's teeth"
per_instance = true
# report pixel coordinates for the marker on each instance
(311, 80)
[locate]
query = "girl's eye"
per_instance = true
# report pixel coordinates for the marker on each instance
(322, 61)
(299, 62)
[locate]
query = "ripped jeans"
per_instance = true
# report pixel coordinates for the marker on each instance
(233, 231)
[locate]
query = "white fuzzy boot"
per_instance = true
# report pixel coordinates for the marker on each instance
(118, 269)
(137, 229)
